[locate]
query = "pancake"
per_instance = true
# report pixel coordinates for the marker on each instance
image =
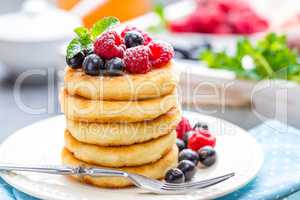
(154, 170)
(117, 134)
(156, 83)
(80, 109)
(121, 156)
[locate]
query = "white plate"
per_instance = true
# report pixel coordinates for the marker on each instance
(42, 142)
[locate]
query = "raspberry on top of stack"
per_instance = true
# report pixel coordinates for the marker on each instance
(120, 102)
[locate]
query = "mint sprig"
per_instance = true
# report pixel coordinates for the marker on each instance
(85, 37)
(74, 48)
(103, 25)
(162, 25)
(271, 55)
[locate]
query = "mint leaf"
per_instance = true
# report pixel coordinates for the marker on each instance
(102, 25)
(84, 35)
(74, 48)
(271, 55)
(159, 10)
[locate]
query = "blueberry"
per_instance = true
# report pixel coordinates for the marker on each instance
(180, 144)
(200, 126)
(76, 61)
(188, 154)
(207, 156)
(114, 67)
(133, 38)
(188, 168)
(187, 136)
(93, 65)
(174, 176)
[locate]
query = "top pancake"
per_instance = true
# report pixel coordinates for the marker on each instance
(154, 84)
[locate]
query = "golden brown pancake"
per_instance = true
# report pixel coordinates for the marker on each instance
(80, 109)
(117, 134)
(156, 83)
(154, 170)
(121, 156)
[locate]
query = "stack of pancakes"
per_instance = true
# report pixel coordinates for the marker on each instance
(125, 122)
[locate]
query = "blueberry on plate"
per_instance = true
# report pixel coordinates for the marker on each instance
(200, 126)
(187, 136)
(114, 67)
(188, 168)
(133, 39)
(76, 61)
(174, 176)
(188, 154)
(180, 144)
(207, 156)
(93, 65)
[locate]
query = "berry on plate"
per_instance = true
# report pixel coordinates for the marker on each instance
(93, 65)
(76, 61)
(199, 126)
(188, 168)
(161, 53)
(133, 39)
(136, 60)
(174, 176)
(201, 139)
(146, 37)
(114, 67)
(182, 127)
(188, 154)
(180, 144)
(109, 45)
(207, 156)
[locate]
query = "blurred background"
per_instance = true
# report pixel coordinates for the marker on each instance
(232, 66)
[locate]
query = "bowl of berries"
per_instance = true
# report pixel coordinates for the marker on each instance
(218, 22)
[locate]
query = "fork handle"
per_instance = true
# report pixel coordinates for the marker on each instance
(62, 170)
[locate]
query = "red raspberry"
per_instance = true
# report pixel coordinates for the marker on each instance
(136, 60)
(161, 53)
(183, 127)
(183, 25)
(223, 29)
(201, 139)
(109, 45)
(207, 19)
(146, 37)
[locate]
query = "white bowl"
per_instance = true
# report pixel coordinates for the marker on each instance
(32, 37)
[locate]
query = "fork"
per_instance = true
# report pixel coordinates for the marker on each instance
(140, 181)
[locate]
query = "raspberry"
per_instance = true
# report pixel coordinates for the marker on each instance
(201, 139)
(109, 45)
(136, 60)
(223, 29)
(161, 53)
(183, 25)
(146, 37)
(208, 19)
(183, 127)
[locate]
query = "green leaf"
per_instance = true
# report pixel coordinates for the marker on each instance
(102, 25)
(84, 35)
(271, 55)
(74, 47)
(159, 10)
